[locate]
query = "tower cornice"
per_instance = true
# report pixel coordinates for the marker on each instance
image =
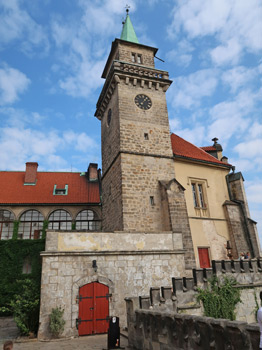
(130, 73)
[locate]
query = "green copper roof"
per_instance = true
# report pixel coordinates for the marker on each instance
(128, 32)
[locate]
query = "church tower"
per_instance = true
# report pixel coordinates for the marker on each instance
(136, 144)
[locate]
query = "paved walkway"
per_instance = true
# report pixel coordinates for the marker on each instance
(95, 342)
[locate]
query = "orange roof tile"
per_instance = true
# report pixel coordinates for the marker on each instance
(208, 148)
(184, 149)
(13, 190)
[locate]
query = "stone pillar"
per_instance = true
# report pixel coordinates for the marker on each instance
(178, 218)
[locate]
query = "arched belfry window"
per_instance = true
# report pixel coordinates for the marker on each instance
(88, 220)
(6, 224)
(30, 225)
(60, 220)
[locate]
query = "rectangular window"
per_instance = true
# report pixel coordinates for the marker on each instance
(152, 202)
(146, 136)
(198, 195)
(136, 58)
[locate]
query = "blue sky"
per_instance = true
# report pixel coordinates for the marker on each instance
(52, 53)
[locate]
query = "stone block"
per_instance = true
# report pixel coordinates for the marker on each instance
(253, 333)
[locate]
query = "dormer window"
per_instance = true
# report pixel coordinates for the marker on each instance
(60, 191)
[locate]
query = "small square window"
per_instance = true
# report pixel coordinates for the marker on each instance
(60, 191)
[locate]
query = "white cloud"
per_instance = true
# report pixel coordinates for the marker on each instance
(16, 23)
(195, 135)
(239, 77)
(188, 91)
(233, 117)
(45, 148)
(81, 142)
(236, 25)
(182, 55)
(250, 149)
(12, 83)
(227, 53)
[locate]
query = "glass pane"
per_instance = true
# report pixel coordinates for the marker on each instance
(194, 195)
(201, 197)
(32, 215)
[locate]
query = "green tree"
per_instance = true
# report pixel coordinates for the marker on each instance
(25, 307)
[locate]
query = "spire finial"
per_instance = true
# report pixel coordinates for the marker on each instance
(127, 8)
(128, 32)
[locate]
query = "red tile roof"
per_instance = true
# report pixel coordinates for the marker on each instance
(208, 148)
(184, 149)
(13, 190)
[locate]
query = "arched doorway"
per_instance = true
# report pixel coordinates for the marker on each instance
(93, 317)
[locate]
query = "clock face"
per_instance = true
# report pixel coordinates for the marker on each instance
(142, 101)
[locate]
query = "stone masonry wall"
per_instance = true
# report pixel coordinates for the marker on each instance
(179, 219)
(125, 264)
(140, 181)
(238, 194)
(112, 206)
(125, 50)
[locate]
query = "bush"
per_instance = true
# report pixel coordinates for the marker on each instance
(57, 322)
(220, 298)
(25, 307)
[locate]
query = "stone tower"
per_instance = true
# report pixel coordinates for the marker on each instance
(136, 145)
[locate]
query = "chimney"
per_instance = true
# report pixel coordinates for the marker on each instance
(218, 147)
(224, 159)
(30, 173)
(92, 172)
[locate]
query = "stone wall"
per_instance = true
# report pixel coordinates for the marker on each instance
(242, 227)
(180, 294)
(127, 263)
(148, 329)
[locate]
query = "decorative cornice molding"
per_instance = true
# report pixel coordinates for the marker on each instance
(128, 73)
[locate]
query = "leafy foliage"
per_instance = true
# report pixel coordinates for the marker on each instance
(45, 227)
(25, 306)
(220, 298)
(57, 322)
(12, 256)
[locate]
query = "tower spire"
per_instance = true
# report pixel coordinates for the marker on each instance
(128, 32)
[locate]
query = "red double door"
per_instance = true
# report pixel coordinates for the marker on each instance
(93, 309)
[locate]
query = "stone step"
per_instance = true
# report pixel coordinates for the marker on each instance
(8, 328)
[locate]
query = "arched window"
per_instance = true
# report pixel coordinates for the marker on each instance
(88, 220)
(6, 224)
(31, 225)
(60, 220)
